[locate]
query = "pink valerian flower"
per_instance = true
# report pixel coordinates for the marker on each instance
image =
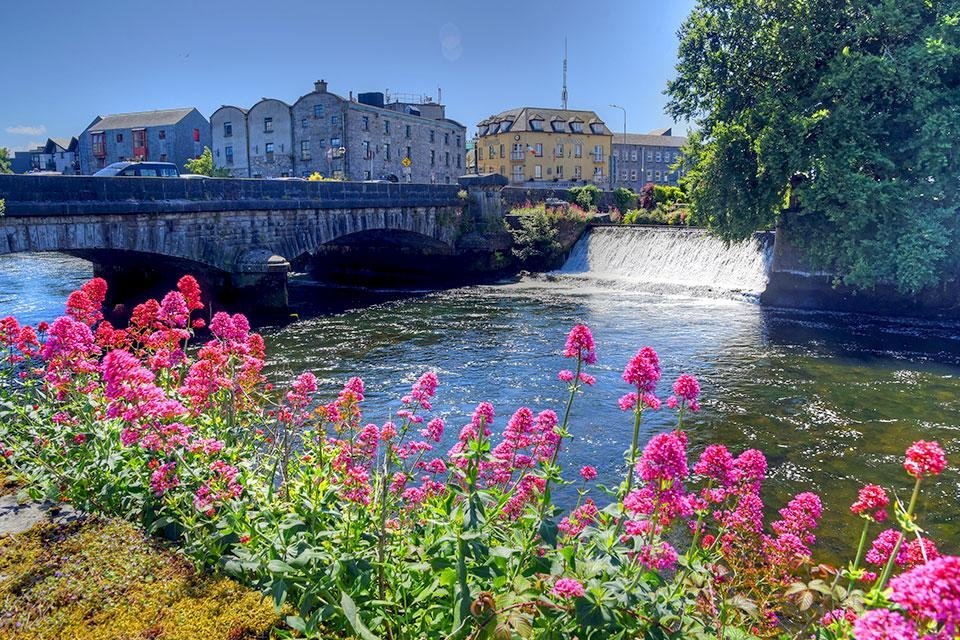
(164, 478)
(931, 593)
(525, 492)
(565, 375)
(643, 371)
(68, 350)
(436, 466)
(83, 305)
(660, 557)
(917, 552)
(388, 431)
(588, 473)
(434, 430)
(883, 546)
(664, 458)
(579, 519)
(882, 624)
(672, 402)
(79, 438)
(9, 331)
(580, 344)
(174, 311)
(483, 416)
(838, 615)
(749, 469)
(221, 487)
(206, 446)
(302, 390)
(628, 401)
(687, 388)
(924, 459)
(132, 392)
(546, 439)
(587, 379)
(742, 525)
(567, 588)
(398, 482)
(716, 463)
(190, 290)
(871, 503)
(423, 391)
(27, 342)
(800, 517)
(414, 496)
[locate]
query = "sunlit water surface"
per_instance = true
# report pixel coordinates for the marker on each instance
(832, 399)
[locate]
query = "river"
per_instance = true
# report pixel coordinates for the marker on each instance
(832, 399)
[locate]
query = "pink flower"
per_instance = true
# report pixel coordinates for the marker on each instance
(917, 552)
(660, 557)
(588, 473)
(80, 438)
(871, 503)
(664, 458)
(716, 463)
(628, 401)
(924, 459)
(188, 287)
(643, 370)
(931, 592)
(578, 520)
(580, 344)
(837, 615)
(749, 468)
(881, 624)
(434, 430)
(567, 588)
(687, 388)
(587, 379)
(164, 478)
(672, 402)
(882, 547)
(800, 517)
(173, 310)
(388, 431)
(565, 375)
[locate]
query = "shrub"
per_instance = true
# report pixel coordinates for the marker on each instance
(367, 530)
(535, 243)
(587, 196)
(625, 199)
(667, 194)
(316, 176)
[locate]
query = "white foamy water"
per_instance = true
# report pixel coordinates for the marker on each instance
(671, 258)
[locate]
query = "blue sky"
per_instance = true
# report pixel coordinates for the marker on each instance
(66, 61)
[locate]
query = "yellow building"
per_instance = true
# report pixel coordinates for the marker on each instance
(534, 145)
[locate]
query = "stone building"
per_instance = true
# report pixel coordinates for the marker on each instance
(166, 135)
(545, 147)
(643, 158)
(355, 139)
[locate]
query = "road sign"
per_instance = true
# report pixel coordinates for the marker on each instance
(406, 161)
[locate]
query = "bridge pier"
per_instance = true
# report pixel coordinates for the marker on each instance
(260, 280)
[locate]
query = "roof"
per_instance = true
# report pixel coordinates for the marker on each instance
(649, 140)
(522, 116)
(140, 119)
(65, 144)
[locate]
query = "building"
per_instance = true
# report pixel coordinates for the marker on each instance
(167, 135)
(58, 154)
(641, 158)
(355, 139)
(545, 147)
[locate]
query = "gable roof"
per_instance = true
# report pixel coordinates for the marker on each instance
(648, 140)
(56, 145)
(521, 117)
(140, 119)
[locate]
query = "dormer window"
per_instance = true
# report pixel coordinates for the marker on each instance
(596, 127)
(558, 125)
(536, 124)
(505, 126)
(576, 127)
(494, 128)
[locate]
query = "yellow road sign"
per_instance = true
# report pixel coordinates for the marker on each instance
(406, 162)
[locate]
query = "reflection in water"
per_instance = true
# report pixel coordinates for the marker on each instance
(833, 400)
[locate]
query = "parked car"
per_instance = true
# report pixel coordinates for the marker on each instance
(141, 169)
(193, 176)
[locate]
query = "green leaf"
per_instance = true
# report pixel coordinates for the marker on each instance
(350, 612)
(279, 566)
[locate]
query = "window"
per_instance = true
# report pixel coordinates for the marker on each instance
(558, 125)
(506, 124)
(633, 155)
(576, 127)
(335, 120)
(633, 175)
(432, 136)
(268, 150)
(597, 174)
(446, 158)
(366, 175)
(558, 152)
(518, 173)
(163, 157)
(365, 123)
(479, 153)
(598, 153)
(656, 176)
(140, 143)
(196, 135)
(433, 158)
(458, 161)
(227, 130)
(578, 150)
(501, 150)
(458, 142)
(537, 171)
(303, 123)
(649, 175)
(228, 153)
(304, 149)
(119, 137)
(536, 124)
(560, 171)
(623, 174)
(99, 144)
(267, 125)
(492, 152)
(649, 155)
(161, 135)
(317, 110)
(596, 127)
(658, 156)
(335, 143)
(409, 153)
(365, 145)
(386, 127)
(577, 173)
(538, 150)
(446, 138)
(406, 131)
(517, 153)
(386, 150)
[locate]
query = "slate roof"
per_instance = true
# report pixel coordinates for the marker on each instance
(650, 140)
(522, 116)
(64, 144)
(140, 119)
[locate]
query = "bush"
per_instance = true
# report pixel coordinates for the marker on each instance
(316, 176)
(535, 243)
(367, 531)
(625, 199)
(587, 196)
(667, 194)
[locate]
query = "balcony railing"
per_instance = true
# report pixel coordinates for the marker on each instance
(517, 155)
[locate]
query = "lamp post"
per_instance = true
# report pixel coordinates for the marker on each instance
(616, 106)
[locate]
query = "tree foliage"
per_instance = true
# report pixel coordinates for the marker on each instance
(5, 160)
(849, 107)
(203, 165)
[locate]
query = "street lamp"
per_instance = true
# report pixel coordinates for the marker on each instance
(616, 106)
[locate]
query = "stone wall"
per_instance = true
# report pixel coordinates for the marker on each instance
(516, 195)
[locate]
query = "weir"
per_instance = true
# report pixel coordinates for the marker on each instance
(673, 258)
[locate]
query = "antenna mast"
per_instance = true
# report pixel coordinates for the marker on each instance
(563, 94)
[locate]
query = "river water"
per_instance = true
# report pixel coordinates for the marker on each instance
(832, 399)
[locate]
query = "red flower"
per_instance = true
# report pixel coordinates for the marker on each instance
(924, 459)
(871, 503)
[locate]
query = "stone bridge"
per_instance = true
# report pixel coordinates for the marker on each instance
(244, 232)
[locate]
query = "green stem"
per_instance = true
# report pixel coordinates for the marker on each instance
(888, 569)
(637, 415)
(856, 562)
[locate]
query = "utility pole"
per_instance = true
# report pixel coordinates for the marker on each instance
(563, 94)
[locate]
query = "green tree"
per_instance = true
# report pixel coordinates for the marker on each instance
(5, 160)
(535, 243)
(204, 166)
(851, 108)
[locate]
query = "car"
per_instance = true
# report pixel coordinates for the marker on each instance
(555, 202)
(193, 176)
(140, 169)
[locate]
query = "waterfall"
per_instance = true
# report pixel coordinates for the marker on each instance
(671, 258)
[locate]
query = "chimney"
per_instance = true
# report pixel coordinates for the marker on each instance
(320, 86)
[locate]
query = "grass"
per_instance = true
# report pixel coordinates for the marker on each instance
(106, 579)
